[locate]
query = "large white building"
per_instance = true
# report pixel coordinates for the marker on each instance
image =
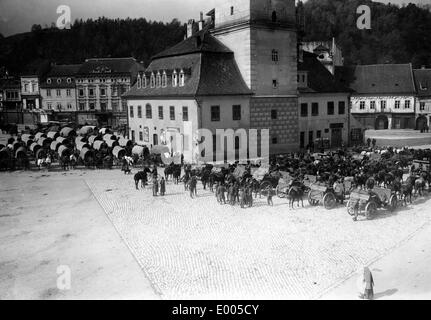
(238, 71)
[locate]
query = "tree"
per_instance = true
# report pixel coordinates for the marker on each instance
(36, 28)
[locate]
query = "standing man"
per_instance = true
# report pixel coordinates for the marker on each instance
(155, 187)
(192, 187)
(374, 143)
(162, 186)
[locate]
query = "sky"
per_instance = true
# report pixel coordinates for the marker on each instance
(18, 16)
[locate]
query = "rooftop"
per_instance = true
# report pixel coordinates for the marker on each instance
(423, 82)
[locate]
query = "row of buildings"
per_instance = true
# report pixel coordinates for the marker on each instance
(87, 93)
(242, 66)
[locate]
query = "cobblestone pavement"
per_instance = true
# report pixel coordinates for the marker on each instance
(199, 249)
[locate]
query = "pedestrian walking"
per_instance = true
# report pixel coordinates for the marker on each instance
(162, 187)
(368, 142)
(365, 283)
(192, 186)
(270, 195)
(374, 142)
(155, 187)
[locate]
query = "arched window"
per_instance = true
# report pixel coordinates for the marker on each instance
(152, 80)
(138, 82)
(158, 80)
(164, 79)
(274, 16)
(182, 78)
(144, 81)
(174, 78)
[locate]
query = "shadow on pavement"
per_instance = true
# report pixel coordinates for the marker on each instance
(388, 292)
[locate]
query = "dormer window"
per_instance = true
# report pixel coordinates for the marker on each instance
(158, 80)
(174, 78)
(423, 86)
(164, 79)
(182, 78)
(59, 80)
(69, 80)
(152, 80)
(138, 82)
(48, 80)
(144, 81)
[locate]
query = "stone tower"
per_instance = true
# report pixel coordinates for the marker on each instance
(262, 34)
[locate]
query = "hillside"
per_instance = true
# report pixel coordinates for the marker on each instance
(398, 34)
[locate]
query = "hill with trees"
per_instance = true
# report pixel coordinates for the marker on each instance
(397, 35)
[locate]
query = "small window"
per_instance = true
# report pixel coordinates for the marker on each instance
(141, 136)
(274, 140)
(407, 104)
(139, 111)
(172, 112)
(48, 80)
(133, 135)
(315, 109)
(422, 106)
(318, 134)
(215, 113)
(148, 111)
(274, 114)
(92, 106)
(331, 108)
(131, 112)
(81, 106)
(274, 55)
(362, 105)
(164, 79)
(81, 92)
(160, 112)
(102, 92)
(304, 109)
(58, 80)
(58, 93)
(49, 106)
(68, 92)
(397, 104)
(383, 104)
(182, 79)
(91, 92)
(152, 80)
(144, 81)
(158, 80)
(372, 105)
(185, 114)
(48, 92)
(274, 84)
(174, 79)
(69, 80)
(138, 82)
(236, 112)
(341, 107)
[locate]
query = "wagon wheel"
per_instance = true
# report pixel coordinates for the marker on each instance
(393, 202)
(311, 200)
(329, 201)
(280, 193)
(350, 208)
(370, 209)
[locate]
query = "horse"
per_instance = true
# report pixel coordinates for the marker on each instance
(141, 176)
(420, 186)
(64, 162)
(295, 193)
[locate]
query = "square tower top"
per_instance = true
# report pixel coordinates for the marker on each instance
(276, 12)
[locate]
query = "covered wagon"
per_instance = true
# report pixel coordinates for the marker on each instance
(81, 145)
(99, 144)
(138, 150)
(63, 151)
(55, 145)
(53, 135)
(39, 135)
(112, 143)
(118, 152)
(85, 130)
(67, 132)
(21, 153)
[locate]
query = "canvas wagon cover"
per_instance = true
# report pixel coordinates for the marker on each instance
(260, 173)
(62, 149)
(139, 150)
(65, 132)
(118, 152)
(239, 171)
(98, 144)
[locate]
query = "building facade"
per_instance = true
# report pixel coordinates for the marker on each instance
(423, 99)
(195, 84)
(100, 83)
(327, 52)
(383, 97)
(263, 37)
(58, 93)
(10, 100)
(323, 106)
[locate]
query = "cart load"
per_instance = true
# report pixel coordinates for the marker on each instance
(119, 152)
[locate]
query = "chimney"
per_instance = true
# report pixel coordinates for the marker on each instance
(201, 21)
(190, 28)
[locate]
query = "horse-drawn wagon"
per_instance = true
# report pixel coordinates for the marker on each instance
(321, 193)
(363, 202)
(283, 186)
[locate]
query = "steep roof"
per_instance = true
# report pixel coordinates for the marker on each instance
(107, 66)
(201, 41)
(378, 79)
(209, 66)
(37, 68)
(423, 82)
(10, 83)
(320, 80)
(64, 70)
